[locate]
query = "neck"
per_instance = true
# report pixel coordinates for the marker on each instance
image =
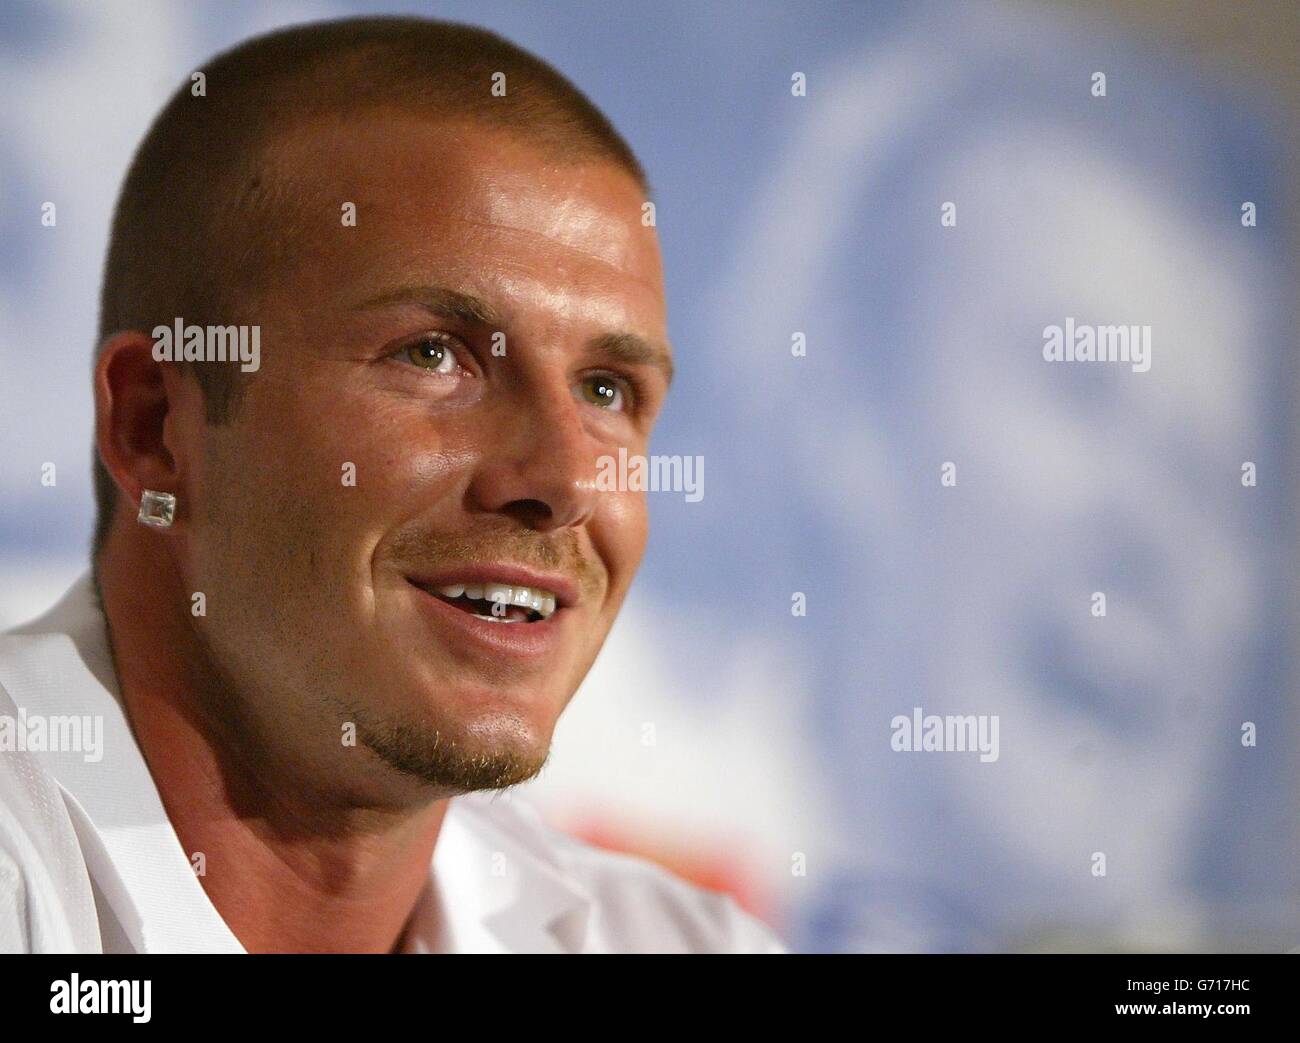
(289, 865)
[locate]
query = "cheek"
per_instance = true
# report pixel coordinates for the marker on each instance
(362, 450)
(405, 464)
(618, 530)
(327, 471)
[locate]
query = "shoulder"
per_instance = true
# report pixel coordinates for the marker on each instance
(46, 903)
(639, 906)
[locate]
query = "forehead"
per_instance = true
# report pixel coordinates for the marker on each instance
(473, 206)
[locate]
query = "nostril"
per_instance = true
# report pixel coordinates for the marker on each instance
(531, 512)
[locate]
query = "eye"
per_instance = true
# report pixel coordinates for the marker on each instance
(432, 352)
(604, 391)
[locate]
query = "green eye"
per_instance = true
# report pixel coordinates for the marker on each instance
(602, 391)
(433, 354)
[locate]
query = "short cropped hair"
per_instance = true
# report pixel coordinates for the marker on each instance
(200, 221)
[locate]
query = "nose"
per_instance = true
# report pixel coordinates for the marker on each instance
(538, 466)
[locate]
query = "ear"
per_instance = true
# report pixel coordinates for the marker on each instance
(134, 397)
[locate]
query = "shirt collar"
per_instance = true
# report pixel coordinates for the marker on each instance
(500, 890)
(490, 889)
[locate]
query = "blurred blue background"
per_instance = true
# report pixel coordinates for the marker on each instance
(772, 773)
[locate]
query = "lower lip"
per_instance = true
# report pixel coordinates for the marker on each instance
(520, 640)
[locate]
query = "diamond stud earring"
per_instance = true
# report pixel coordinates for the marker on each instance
(156, 509)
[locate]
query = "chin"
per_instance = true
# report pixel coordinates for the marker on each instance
(489, 753)
(478, 716)
(475, 697)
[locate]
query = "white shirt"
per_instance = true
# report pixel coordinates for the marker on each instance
(89, 861)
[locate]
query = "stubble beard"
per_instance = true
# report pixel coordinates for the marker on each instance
(436, 757)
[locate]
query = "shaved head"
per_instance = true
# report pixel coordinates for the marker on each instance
(206, 214)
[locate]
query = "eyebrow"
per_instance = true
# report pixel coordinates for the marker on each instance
(635, 351)
(630, 348)
(450, 304)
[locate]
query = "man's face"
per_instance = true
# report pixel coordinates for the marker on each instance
(395, 453)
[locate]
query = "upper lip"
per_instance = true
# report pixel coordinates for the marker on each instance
(564, 588)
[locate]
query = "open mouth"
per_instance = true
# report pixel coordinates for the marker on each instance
(496, 602)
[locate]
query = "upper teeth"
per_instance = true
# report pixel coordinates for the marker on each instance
(540, 601)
